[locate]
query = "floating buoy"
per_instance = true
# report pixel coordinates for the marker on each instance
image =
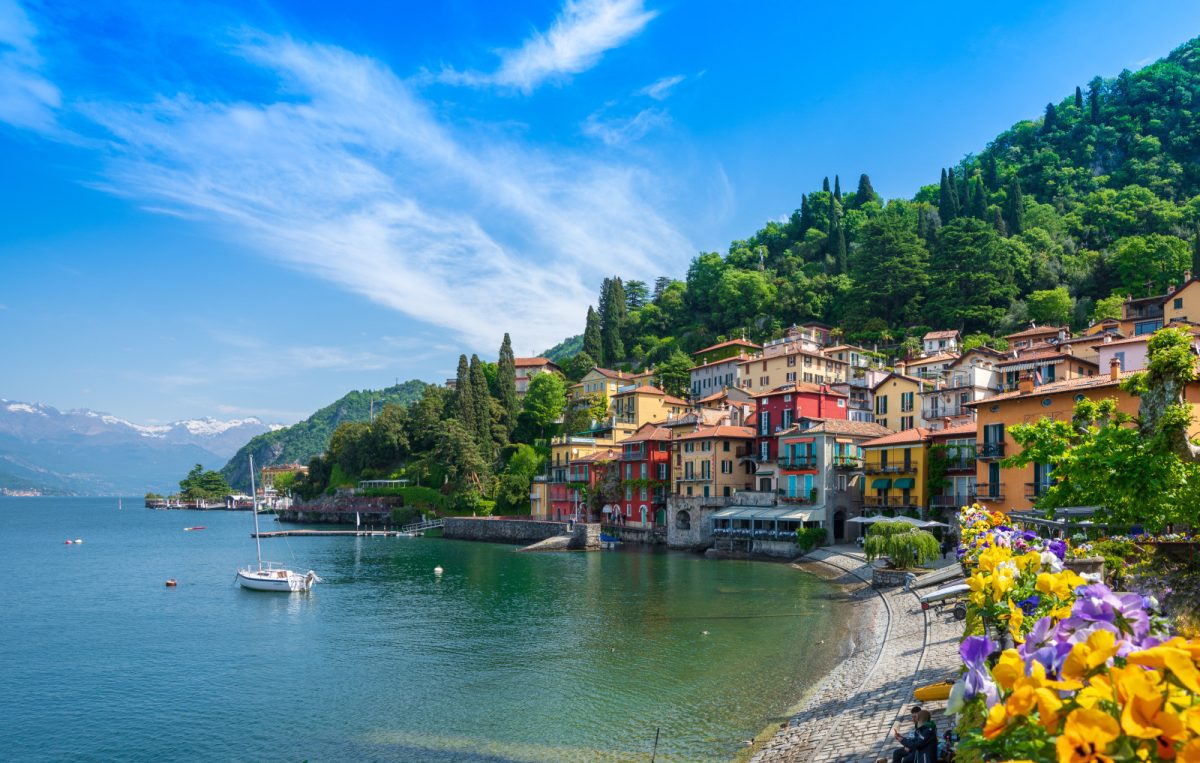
(703, 633)
(67, 542)
(438, 570)
(171, 583)
(79, 540)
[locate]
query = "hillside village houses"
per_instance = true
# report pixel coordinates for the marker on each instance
(803, 432)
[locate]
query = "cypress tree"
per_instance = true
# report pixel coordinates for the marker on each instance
(865, 192)
(1079, 99)
(463, 408)
(998, 221)
(978, 200)
(991, 175)
(1094, 99)
(612, 321)
(506, 383)
(831, 231)
(837, 188)
(825, 184)
(592, 343)
(947, 202)
(962, 194)
(1050, 121)
(482, 402)
(840, 251)
(805, 214)
(1014, 208)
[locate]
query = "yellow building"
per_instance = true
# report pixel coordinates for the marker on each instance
(1183, 304)
(793, 362)
(897, 401)
(711, 461)
(631, 407)
(896, 468)
(600, 381)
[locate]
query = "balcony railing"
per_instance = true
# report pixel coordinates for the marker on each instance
(953, 501)
(797, 462)
(909, 468)
(961, 465)
(847, 462)
(1035, 490)
(985, 492)
(989, 450)
(783, 496)
(694, 478)
(888, 502)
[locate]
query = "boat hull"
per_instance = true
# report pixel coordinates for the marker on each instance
(271, 580)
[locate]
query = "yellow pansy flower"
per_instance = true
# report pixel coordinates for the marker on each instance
(1172, 657)
(1085, 737)
(1190, 752)
(1087, 656)
(1008, 669)
(997, 719)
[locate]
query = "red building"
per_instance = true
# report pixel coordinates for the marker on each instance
(645, 476)
(781, 408)
(583, 475)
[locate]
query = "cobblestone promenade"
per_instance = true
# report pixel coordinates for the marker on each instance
(898, 648)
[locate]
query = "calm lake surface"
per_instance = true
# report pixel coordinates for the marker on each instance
(506, 657)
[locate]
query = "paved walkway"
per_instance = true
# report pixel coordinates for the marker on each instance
(850, 715)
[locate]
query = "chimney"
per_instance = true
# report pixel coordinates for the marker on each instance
(1107, 337)
(1170, 289)
(1062, 334)
(1187, 276)
(1114, 369)
(1025, 383)
(1068, 350)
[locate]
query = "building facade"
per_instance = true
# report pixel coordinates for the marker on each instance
(711, 461)
(527, 368)
(896, 467)
(645, 477)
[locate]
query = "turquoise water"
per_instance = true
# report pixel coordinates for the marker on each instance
(506, 657)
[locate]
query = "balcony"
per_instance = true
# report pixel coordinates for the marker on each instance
(985, 493)
(989, 450)
(891, 468)
(889, 502)
(847, 462)
(960, 465)
(694, 478)
(1035, 490)
(785, 498)
(797, 462)
(943, 411)
(950, 501)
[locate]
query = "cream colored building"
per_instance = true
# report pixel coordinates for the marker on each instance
(712, 461)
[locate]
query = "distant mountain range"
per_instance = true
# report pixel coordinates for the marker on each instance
(83, 452)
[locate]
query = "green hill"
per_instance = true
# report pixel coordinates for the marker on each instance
(308, 438)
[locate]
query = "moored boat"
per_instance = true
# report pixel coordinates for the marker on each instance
(269, 576)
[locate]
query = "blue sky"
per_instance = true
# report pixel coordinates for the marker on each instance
(236, 209)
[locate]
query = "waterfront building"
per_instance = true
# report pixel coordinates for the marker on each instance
(737, 404)
(645, 477)
(953, 449)
(714, 376)
(778, 410)
(713, 461)
(600, 381)
(859, 359)
(585, 476)
(939, 342)
(896, 399)
(821, 468)
(1141, 316)
(1104, 325)
(1086, 346)
(731, 348)
(633, 407)
(896, 466)
(972, 376)
(1132, 352)
(551, 493)
(1182, 304)
(527, 368)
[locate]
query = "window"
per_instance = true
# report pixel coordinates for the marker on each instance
(842, 483)
(808, 378)
(906, 401)
(726, 467)
(787, 418)
(706, 470)
(628, 471)
(725, 446)
(1142, 328)
(790, 376)
(791, 361)
(807, 360)
(906, 422)
(643, 471)
(881, 404)
(727, 492)
(662, 471)
(706, 491)
(841, 403)
(764, 381)
(628, 492)
(764, 422)
(1120, 358)
(882, 423)
(764, 450)
(1178, 303)
(689, 470)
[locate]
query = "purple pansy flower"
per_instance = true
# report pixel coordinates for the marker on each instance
(974, 651)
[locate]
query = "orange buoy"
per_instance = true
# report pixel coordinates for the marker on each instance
(171, 583)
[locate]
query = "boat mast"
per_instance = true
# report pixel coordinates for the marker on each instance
(254, 511)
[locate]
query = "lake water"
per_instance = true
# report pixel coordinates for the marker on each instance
(505, 657)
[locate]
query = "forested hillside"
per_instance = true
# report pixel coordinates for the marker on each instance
(1055, 220)
(308, 438)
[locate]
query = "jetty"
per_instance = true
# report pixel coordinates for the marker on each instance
(324, 533)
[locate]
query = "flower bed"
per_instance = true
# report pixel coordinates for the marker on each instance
(1058, 667)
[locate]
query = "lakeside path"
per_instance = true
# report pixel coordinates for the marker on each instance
(897, 648)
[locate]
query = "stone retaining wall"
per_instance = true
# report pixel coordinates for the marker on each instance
(521, 532)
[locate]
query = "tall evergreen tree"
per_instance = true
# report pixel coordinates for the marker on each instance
(1014, 208)
(998, 221)
(865, 192)
(1050, 121)
(660, 285)
(971, 277)
(978, 199)
(612, 320)
(891, 271)
(1094, 99)
(1079, 99)
(482, 402)
(463, 407)
(837, 188)
(825, 184)
(840, 250)
(506, 385)
(831, 231)
(592, 343)
(947, 201)
(805, 214)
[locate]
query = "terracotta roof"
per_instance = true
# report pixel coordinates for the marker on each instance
(611, 374)
(1090, 337)
(836, 347)
(938, 358)
(714, 397)
(948, 334)
(794, 349)
(891, 374)
(723, 430)
(603, 455)
(1030, 357)
(794, 387)
(916, 434)
(728, 343)
(702, 416)
(526, 362)
(847, 427)
(1037, 331)
(733, 359)
(958, 431)
(1068, 385)
(1126, 340)
(649, 432)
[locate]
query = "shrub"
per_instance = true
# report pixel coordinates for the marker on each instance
(808, 538)
(904, 545)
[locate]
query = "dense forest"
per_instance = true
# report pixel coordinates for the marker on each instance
(1057, 220)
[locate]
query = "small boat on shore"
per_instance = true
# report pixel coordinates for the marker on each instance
(197, 527)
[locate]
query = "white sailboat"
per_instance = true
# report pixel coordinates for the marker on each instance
(270, 576)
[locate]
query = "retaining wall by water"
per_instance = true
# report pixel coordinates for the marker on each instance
(340, 510)
(648, 536)
(521, 531)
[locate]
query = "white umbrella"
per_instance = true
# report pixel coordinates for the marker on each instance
(866, 520)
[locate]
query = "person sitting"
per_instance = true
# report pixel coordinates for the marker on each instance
(919, 746)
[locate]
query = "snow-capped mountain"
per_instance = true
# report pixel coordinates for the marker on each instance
(92, 452)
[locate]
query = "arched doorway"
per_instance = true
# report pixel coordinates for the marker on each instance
(683, 521)
(642, 509)
(660, 518)
(839, 525)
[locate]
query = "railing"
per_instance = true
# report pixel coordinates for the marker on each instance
(419, 526)
(953, 501)
(960, 465)
(783, 496)
(694, 478)
(847, 462)
(985, 492)
(989, 450)
(909, 468)
(942, 411)
(1035, 490)
(889, 502)
(748, 534)
(797, 462)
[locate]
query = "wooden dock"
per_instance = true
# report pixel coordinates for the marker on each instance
(324, 533)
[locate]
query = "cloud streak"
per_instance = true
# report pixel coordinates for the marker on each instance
(577, 39)
(27, 98)
(659, 90)
(348, 176)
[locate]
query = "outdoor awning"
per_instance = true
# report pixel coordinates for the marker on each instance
(905, 483)
(881, 483)
(727, 513)
(768, 515)
(800, 515)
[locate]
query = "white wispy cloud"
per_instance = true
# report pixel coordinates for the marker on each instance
(579, 36)
(27, 98)
(660, 89)
(620, 131)
(349, 176)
